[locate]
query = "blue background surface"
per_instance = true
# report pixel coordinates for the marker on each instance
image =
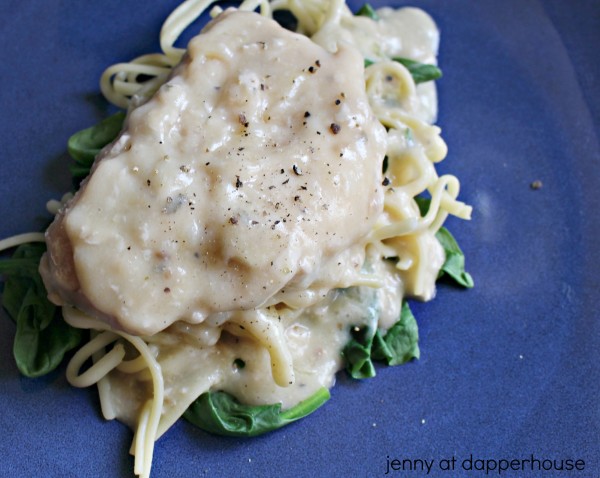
(508, 369)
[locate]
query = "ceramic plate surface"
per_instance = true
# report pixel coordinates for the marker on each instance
(508, 369)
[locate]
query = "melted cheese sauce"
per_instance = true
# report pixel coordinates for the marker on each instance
(237, 202)
(197, 358)
(406, 33)
(249, 171)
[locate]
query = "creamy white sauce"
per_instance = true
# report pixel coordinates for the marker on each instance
(224, 220)
(191, 365)
(252, 168)
(407, 33)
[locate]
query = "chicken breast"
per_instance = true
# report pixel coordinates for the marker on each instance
(250, 173)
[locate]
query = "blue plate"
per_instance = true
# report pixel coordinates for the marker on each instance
(509, 370)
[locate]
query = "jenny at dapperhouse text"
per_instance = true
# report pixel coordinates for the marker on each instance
(483, 465)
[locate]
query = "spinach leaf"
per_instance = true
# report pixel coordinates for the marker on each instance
(42, 337)
(400, 343)
(454, 265)
(420, 72)
(84, 145)
(222, 414)
(367, 11)
(357, 351)
(397, 346)
(423, 204)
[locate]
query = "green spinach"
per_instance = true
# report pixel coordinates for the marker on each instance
(399, 345)
(454, 265)
(420, 72)
(84, 145)
(357, 352)
(42, 337)
(222, 414)
(367, 11)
